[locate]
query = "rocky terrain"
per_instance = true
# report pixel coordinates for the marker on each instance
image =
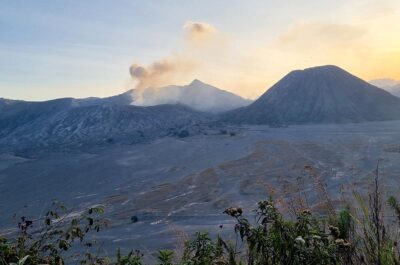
(70, 123)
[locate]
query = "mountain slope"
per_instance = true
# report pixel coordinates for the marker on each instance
(325, 94)
(196, 95)
(77, 122)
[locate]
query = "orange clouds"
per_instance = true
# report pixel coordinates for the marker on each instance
(328, 33)
(369, 49)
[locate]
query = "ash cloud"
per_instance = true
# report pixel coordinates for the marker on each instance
(180, 66)
(160, 73)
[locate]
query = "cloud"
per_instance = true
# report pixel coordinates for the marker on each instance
(198, 32)
(317, 33)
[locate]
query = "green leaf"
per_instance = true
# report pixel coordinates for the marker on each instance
(23, 260)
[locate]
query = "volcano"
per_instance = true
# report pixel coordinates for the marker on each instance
(324, 94)
(196, 95)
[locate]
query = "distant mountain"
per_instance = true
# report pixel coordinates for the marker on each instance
(384, 82)
(325, 94)
(196, 95)
(394, 90)
(390, 85)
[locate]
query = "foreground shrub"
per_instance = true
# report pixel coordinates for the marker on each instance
(56, 236)
(274, 240)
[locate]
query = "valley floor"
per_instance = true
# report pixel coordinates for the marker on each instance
(178, 186)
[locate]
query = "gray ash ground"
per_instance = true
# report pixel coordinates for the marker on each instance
(178, 186)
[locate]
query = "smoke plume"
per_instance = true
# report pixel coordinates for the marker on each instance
(160, 73)
(201, 41)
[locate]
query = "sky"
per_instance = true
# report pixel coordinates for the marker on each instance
(51, 49)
